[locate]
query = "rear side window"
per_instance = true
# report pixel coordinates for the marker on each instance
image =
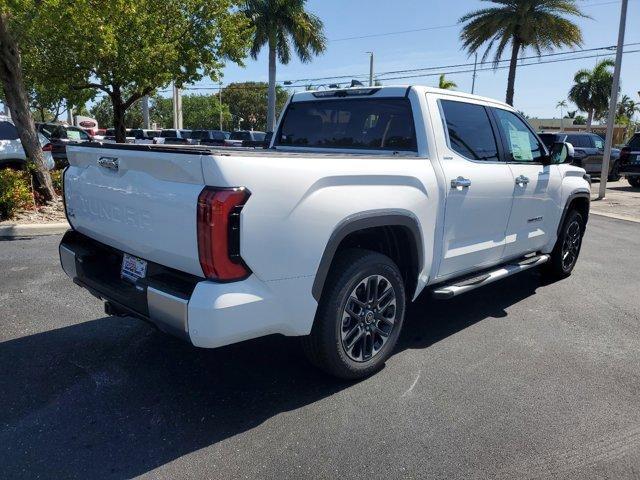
(8, 131)
(470, 131)
(369, 124)
(580, 141)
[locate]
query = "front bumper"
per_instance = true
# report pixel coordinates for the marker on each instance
(205, 313)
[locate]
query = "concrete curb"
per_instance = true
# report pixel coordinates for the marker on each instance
(616, 216)
(33, 230)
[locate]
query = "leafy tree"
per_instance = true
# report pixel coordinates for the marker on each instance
(281, 24)
(446, 84)
(198, 111)
(627, 108)
(248, 100)
(591, 90)
(537, 24)
(579, 120)
(16, 27)
(129, 48)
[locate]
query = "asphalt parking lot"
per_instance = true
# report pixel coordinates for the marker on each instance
(522, 379)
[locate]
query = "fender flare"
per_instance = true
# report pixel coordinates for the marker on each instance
(361, 221)
(570, 199)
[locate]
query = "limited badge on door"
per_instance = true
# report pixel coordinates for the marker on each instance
(133, 268)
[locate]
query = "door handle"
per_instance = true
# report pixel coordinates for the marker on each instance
(460, 182)
(522, 180)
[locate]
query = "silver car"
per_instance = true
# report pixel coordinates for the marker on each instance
(11, 151)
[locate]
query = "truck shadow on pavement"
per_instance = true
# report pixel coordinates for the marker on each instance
(113, 398)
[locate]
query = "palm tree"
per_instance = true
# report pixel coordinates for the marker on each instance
(537, 24)
(446, 84)
(627, 107)
(283, 25)
(562, 104)
(591, 90)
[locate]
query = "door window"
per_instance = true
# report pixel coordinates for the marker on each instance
(579, 141)
(522, 145)
(598, 142)
(8, 131)
(470, 131)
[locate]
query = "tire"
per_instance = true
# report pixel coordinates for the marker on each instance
(567, 249)
(634, 181)
(356, 344)
(614, 174)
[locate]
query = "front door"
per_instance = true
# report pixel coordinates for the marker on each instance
(533, 209)
(479, 189)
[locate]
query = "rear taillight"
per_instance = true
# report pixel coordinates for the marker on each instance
(625, 154)
(47, 147)
(219, 233)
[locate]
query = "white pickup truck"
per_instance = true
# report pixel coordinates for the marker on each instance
(366, 198)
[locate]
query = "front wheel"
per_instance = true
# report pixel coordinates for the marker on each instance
(567, 249)
(614, 174)
(634, 181)
(359, 317)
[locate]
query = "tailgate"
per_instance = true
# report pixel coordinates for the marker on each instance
(139, 200)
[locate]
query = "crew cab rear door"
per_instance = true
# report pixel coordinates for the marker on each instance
(479, 188)
(532, 215)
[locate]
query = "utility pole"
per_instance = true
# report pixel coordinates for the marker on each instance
(475, 73)
(69, 113)
(220, 105)
(145, 112)
(177, 108)
(370, 69)
(613, 102)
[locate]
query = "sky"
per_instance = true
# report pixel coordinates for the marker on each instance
(539, 87)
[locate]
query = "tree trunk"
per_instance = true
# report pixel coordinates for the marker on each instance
(511, 81)
(119, 110)
(18, 102)
(271, 106)
(589, 120)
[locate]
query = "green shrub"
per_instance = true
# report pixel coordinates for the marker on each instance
(56, 178)
(15, 192)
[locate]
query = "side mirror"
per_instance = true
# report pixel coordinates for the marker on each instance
(561, 152)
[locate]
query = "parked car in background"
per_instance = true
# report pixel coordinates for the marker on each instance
(588, 151)
(173, 137)
(143, 136)
(59, 137)
(12, 154)
(210, 137)
(110, 136)
(630, 160)
(246, 138)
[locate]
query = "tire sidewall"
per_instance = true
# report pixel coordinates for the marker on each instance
(571, 217)
(386, 268)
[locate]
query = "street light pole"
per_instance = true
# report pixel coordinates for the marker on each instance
(370, 69)
(475, 73)
(220, 101)
(613, 102)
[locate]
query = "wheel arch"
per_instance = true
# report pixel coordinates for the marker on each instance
(579, 201)
(396, 226)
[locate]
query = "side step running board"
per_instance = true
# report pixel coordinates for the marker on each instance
(471, 283)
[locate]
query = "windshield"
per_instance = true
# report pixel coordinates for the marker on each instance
(200, 134)
(168, 133)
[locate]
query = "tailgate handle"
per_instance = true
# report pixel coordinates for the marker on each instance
(110, 163)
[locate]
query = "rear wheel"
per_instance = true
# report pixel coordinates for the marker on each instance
(634, 181)
(359, 317)
(567, 249)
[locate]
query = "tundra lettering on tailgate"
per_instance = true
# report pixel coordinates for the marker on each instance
(104, 210)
